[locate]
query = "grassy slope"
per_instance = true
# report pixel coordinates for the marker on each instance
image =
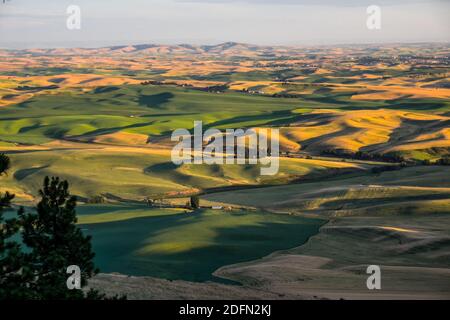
(336, 196)
(398, 220)
(187, 246)
(54, 116)
(137, 173)
(150, 112)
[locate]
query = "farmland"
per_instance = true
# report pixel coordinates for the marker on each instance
(364, 136)
(180, 246)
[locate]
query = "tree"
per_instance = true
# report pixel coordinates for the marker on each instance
(55, 243)
(5, 199)
(11, 256)
(444, 161)
(195, 202)
(5, 164)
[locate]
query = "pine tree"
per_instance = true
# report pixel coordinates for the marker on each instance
(5, 199)
(55, 243)
(11, 256)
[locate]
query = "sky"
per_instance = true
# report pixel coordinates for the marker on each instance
(42, 23)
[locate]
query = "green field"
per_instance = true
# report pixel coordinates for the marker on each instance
(189, 246)
(157, 111)
(135, 109)
(398, 191)
(136, 174)
(364, 138)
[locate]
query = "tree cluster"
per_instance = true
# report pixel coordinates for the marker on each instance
(362, 155)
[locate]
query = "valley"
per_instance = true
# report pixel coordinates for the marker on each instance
(363, 178)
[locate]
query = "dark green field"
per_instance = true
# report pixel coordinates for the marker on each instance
(187, 246)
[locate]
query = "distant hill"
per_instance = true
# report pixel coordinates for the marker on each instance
(222, 48)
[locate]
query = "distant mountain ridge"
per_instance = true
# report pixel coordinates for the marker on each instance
(222, 48)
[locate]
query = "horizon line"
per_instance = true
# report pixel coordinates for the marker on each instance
(157, 44)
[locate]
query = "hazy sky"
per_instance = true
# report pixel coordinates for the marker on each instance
(42, 23)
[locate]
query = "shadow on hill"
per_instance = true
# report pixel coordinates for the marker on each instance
(273, 118)
(172, 172)
(91, 80)
(321, 142)
(99, 209)
(407, 133)
(56, 133)
(30, 128)
(133, 246)
(56, 80)
(103, 131)
(24, 173)
(105, 89)
(155, 101)
(359, 203)
(415, 104)
(343, 101)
